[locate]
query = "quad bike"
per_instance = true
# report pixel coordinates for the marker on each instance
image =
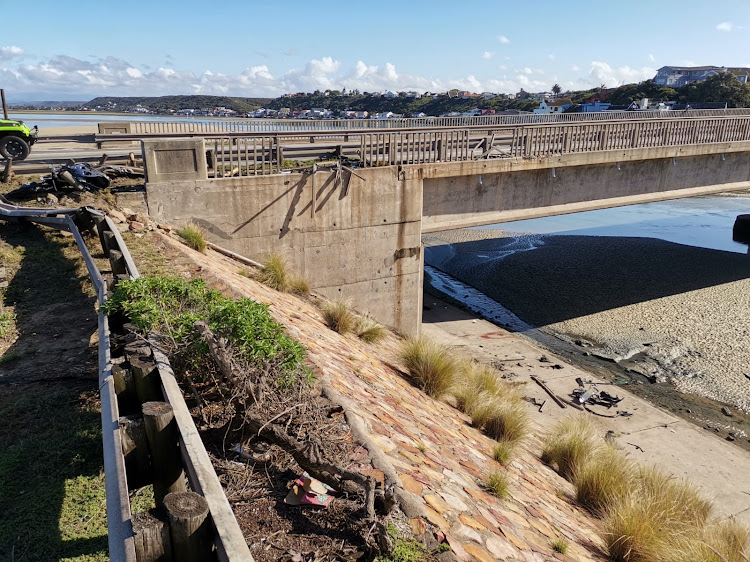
(16, 139)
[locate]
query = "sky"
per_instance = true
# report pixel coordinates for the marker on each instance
(81, 49)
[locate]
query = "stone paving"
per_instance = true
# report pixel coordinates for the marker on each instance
(438, 456)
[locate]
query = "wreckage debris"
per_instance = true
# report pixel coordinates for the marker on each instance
(76, 177)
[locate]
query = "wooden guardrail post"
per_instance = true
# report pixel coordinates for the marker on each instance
(135, 450)
(189, 526)
(151, 533)
(163, 441)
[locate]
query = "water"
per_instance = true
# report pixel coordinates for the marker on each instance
(704, 222)
(71, 119)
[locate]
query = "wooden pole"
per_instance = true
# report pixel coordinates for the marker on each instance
(5, 106)
(145, 376)
(135, 451)
(163, 442)
(127, 399)
(189, 527)
(8, 173)
(151, 533)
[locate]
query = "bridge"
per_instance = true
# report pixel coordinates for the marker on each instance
(353, 227)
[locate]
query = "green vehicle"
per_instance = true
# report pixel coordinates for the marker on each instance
(16, 139)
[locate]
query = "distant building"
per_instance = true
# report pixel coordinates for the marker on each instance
(558, 105)
(595, 107)
(677, 76)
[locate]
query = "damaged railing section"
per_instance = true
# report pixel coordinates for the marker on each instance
(148, 434)
(387, 149)
(244, 156)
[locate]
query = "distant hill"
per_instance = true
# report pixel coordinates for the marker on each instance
(163, 103)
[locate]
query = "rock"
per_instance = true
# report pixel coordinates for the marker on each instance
(52, 199)
(544, 359)
(164, 227)
(135, 225)
(468, 533)
(500, 548)
(731, 437)
(418, 526)
(117, 216)
(479, 553)
(726, 411)
(130, 214)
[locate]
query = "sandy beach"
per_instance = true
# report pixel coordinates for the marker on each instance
(664, 311)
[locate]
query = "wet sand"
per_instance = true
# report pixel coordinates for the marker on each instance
(663, 312)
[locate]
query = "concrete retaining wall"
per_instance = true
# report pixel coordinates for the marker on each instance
(360, 241)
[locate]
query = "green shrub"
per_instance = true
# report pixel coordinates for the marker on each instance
(431, 365)
(194, 236)
(7, 323)
(172, 306)
(559, 545)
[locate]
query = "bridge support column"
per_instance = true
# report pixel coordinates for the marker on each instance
(356, 238)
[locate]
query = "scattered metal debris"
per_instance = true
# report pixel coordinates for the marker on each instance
(637, 447)
(79, 177)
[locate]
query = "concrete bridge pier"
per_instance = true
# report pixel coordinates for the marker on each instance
(354, 237)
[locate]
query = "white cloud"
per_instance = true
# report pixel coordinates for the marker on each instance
(487, 55)
(651, 57)
(602, 73)
(726, 26)
(503, 39)
(10, 52)
(575, 68)
(551, 56)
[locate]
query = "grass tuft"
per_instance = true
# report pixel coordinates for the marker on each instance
(502, 417)
(339, 317)
(299, 285)
(431, 365)
(605, 478)
(275, 273)
(503, 451)
(369, 330)
(7, 323)
(570, 444)
(559, 545)
(194, 236)
(474, 383)
(497, 484)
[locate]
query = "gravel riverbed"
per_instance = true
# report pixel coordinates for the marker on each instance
(667, 311)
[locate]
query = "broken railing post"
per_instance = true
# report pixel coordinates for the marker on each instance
(163, 442)
(8, 172)
(189, 526)
(135, 451)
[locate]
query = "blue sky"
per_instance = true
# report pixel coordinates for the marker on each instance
(86, 48)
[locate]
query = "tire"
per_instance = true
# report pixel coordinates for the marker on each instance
(14, 147)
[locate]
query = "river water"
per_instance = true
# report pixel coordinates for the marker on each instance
(77, 119)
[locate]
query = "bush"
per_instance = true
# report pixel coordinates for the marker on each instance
(368, 330)
(603, 479)
(339, 317)
(299, 285)
(194, 236)
(497, 484)
(7, 322)
(475, 383)
(559, 545)
(431, 365)
(570, 444)
(172, 306)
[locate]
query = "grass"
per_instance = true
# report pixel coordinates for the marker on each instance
(276, 273)
(8, 357)
(497, 484)
(404, 550)
(430, 364)
(339, 317)
(7, 323)
(559, 545)
(570, 444)
(502, 452)
(194, 236)
(369, 330)
(605, 478)
(502, 417)
(475, 383)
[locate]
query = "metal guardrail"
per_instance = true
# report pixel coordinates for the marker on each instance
(230, 543)
(214, 126)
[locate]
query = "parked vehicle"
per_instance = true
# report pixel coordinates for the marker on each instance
(16, 139)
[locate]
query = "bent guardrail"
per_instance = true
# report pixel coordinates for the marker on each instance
(227, 541)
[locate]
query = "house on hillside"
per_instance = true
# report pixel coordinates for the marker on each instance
(595, 107)
(558, 105)
(677, 76)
